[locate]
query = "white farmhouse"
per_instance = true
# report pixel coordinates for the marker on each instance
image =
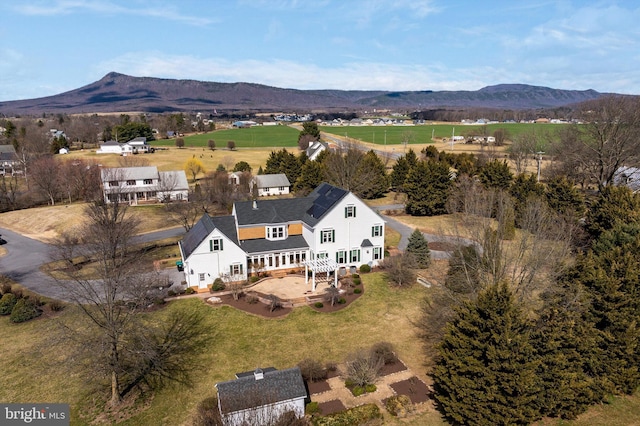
(136, 185)
(281, 235)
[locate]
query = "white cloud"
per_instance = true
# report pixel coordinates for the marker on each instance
(67, 7)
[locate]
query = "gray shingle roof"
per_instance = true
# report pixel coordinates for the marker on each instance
(7, 148)
(196, 235)
(129, 173)
(260, 245)
(176, 178)
(271, 211)
(272, 181)
(246, 392)
(309, 209)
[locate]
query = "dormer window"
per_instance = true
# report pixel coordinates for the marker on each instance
(131, 182)
(148, 181)
(276, 232)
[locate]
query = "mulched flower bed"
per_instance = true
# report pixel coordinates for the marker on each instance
(414, 388)
(257, 308)
(318, 386)
(331, 407)
(392, 367)
(349, 298)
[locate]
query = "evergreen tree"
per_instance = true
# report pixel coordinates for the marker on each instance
(312, 175)
(419, 248)
(564, 198)
(485, 374)
(496, 175)
(612, 280)
(284, 162)
(565, 344)
(614, 205)
(242, 166)
(522, 189)
(401, 170)
(310, 128)
(428, 186)
(372, 167)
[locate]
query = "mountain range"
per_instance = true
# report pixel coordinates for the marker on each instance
(122, 93)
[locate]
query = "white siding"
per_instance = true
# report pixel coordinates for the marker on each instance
(349, 232)
(214, 264)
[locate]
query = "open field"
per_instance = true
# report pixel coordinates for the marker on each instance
(47, 223)
(425, 134)
(251, 137)
(173, 158)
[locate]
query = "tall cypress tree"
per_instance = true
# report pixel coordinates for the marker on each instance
(485, 374)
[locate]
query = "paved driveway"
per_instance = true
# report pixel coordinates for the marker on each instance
(25, 256)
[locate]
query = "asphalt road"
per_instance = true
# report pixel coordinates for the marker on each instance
(25, 256)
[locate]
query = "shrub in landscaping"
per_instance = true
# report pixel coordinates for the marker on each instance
(254, 278)
(251, 299)
(218, 285)
(370, 388)
(331, 367)
(359, 415)
(357, 390)
(355, 275)
(357, 281)
(365, 268)
(342, 300)
(399, 405)
(7, 303)
(318, 305)
(312, 408)
(24, 310)
(56, 305)
(312, 370)
(207, 412)
(189, 290)
(357, 291)
(384, 352)
(363, 368)
(171, 293)
(6, 288)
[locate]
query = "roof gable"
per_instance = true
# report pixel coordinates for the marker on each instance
(204, 227)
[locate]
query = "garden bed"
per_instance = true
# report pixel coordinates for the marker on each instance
(330, 407)
(414, 388)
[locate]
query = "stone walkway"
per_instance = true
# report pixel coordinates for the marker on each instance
(341, 392)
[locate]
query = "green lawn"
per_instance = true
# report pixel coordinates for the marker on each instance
(422, 134)
(243, 342)
(252, 137)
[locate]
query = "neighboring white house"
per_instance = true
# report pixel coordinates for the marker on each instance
(315, 148)
(627, 176)
(135, 185)
(274, 184)
(134, 146)
(331, 225)
(8, 160)
(261, 396)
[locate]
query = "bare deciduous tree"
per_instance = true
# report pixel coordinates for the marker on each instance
(607, 140)
(46, 177)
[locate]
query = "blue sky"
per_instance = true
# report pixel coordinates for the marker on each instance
(51, 46)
